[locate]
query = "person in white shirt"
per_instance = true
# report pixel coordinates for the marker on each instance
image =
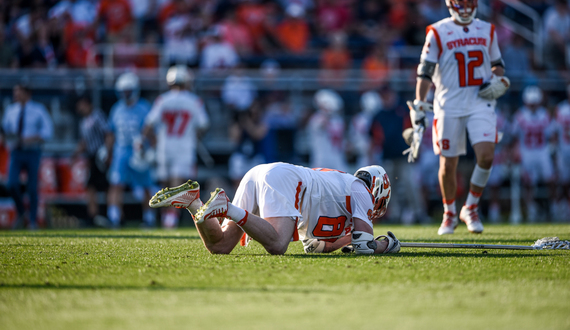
(533, 129)
(461, 57)
(26, 125)
(176, 120)
(217, 54)
(278, 203)
(326, 131)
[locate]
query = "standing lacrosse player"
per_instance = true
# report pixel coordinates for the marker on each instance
(461, 57)
(178, 117)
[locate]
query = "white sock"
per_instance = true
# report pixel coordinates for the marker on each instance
(235, 213)
(449, 206)
(194, 206)
(472, 198)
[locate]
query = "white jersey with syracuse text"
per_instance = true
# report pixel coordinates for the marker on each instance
(177, 116)
(464, 55)
(532, 129)
(563, 126)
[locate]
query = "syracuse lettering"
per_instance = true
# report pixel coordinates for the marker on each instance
(466, 42)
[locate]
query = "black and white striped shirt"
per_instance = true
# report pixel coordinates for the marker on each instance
(93, 130)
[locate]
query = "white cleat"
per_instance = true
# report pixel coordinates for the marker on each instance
(179, 197)
(470, 216)
(448, 224)
(215, 207)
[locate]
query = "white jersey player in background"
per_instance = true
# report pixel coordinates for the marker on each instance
(532, 129)
(461, 57)
(326, 131)
(176, 120)
(359, 132)
(278, 202)
(562, 125)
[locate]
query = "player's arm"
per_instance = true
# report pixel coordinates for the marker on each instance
(498, 84)
(314, 245)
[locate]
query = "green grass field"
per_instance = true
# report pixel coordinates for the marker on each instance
(95, 279)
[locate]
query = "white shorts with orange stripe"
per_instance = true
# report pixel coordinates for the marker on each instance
(449, 133)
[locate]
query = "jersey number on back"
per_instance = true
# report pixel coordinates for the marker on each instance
(176, 122)
(467, 75)
(329, 226)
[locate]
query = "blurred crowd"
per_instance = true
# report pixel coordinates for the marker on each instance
(331, 34)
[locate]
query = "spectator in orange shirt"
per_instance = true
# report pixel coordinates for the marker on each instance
(335, 60)
(252, 14)
(293, 32)
(117, 16)
(237, 34)
(78, 39)
(375, 68)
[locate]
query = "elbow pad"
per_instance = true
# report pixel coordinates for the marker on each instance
(363, 242)
(426, 70)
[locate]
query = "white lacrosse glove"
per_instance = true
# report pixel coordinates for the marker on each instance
(413, 138)
(494, 88)
(418, 112)
(313, 245)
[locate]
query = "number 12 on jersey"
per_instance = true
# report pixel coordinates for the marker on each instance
(467, 70)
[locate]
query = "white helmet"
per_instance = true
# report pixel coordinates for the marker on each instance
(371, 103)
(532, 95)
(128, 86)
(178, 75)
(328, 100)
(462, 11)
(376, 179)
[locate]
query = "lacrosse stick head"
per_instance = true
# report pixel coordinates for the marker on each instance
(551, 243)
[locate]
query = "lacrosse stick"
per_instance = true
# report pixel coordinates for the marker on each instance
(547, 243)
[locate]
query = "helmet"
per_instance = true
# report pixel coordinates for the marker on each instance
(178, 75)
(376, 179)
(462, 11)
(128, 86)
(371, 103)
(328, 100)
(532, 95)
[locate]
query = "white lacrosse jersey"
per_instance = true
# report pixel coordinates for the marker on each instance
(533, 129)
(563, 126)
(177, 116)
(324, 202)
(463, 55)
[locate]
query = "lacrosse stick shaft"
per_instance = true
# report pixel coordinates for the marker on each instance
(465, 246)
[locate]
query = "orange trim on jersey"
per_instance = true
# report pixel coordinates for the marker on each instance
(348, 205)
(438, 152)
(492, 34)
(242, 240)
(297, 195)
(496, 137)
(431, 28)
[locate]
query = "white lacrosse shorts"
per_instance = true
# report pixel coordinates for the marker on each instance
(449, 133)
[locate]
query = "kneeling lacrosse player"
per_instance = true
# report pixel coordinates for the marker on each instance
(276, 203)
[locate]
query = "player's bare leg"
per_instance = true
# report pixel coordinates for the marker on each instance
(115, 202)
(273, 233)
(448, 184)
(484, 152)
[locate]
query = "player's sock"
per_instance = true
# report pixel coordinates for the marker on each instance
(449, 206)
(194, 206)
(473, 198)
(114, 214)
(236, 213)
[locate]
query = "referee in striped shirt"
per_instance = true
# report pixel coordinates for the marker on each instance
(93, 129)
